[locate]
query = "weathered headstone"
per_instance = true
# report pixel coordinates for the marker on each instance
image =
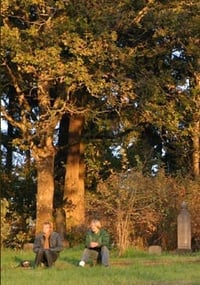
(184, 229)
(155, 249)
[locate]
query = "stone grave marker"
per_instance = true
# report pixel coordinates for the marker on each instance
(184, 229)
(155, 249)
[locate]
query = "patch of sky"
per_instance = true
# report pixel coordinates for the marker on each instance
(4, 126)
(154, 169)
(163, 152)
(56, 134)
(184, 86)
(116, 150)
(18, 158)
(3, 123)
(177, 53)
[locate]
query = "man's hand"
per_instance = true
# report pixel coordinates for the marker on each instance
(94, 244)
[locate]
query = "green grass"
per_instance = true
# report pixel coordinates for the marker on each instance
(134, 268)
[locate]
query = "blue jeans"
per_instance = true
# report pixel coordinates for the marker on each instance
(100, 254)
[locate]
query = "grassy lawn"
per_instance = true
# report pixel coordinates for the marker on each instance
(135, 268)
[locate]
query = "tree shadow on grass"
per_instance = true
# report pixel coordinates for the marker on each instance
(122, 263)
(70, 260)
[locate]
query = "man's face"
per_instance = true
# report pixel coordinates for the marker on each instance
(46, 229)
(94, 228)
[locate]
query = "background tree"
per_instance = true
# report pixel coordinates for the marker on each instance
(165, 65)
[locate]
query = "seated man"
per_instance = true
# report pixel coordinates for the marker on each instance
(97, 243)
(47, 246)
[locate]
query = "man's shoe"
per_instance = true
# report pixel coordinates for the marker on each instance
(82, 263)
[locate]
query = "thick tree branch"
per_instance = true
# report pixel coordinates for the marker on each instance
(143, 12)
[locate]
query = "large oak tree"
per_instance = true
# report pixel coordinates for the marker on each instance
(58, 66)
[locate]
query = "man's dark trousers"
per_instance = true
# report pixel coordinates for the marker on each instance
(46, 256)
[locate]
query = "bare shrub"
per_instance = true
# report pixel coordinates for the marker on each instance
(121, 199)
(138, 208)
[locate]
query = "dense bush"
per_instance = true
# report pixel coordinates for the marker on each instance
(15, 228)
(5, 228)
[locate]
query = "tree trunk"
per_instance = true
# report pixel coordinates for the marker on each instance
(196, 148)
(9, 153)
(44, 158)
(74, 178)
(196, 130)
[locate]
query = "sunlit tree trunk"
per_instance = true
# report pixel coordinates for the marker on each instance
(196, 131)
(74, 178)
(196, 149)
(44, 158)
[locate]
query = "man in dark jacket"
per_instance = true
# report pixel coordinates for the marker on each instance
(47, 246)
(97, 245)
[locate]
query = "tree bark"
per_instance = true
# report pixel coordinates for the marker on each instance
(44, 157)
(196, 148)
(74, 178)
(196, 131)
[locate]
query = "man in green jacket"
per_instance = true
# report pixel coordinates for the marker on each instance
(97, 244)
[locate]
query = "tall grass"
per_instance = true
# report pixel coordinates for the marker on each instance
(134, 268)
